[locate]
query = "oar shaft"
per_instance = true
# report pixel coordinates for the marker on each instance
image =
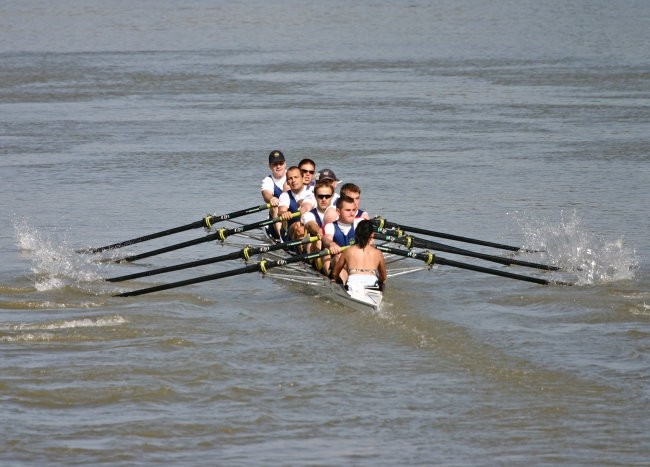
(243, 253)
(195, 280)
(144, 238)
(205, 222)
(382, 223)
(429, 244)
(219, 235)
(437, 259)
(262, 266)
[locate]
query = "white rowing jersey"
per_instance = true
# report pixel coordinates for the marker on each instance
(302, 197)
(274, 185)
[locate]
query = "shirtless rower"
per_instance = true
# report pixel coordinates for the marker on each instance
(273, 185)
(298, 198)
(340, 232)
(361, 265)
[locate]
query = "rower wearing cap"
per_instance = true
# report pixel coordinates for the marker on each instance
(340, 232)
(274, 184)
(297, 198)
(329, 175)
(308, 169)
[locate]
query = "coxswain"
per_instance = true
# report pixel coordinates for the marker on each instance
(361, 265)
(273, 185)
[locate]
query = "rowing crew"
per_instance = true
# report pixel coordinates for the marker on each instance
(335, 219)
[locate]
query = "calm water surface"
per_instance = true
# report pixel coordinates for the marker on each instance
(523, 123)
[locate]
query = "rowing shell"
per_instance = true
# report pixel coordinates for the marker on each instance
(366, 299)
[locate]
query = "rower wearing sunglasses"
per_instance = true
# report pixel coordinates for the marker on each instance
(308, 169)
(313, 219)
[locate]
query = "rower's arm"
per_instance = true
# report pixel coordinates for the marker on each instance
(270, 198)
(381, 268)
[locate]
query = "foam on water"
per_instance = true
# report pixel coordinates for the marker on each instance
(115, 320)
(569, 244)
(47, 331)
(54, 264)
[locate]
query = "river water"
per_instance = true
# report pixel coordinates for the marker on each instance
(518, 122)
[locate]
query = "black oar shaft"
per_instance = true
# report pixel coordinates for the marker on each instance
(430, 259)
(382, 223)
(195, 280)
(220, 235)
(244, 253)
(262, 266)
(423, 243)
(205, 222)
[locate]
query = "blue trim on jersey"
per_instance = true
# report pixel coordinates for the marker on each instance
(360, 212)
(277, 191)
(293, 207)
(317, 216)
(340, 238)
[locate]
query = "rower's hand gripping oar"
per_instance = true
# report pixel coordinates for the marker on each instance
(383, 223)
(206, 222)
(430, 259)
(245, 253)
(220, 235)
(410, 241)
(262, 266)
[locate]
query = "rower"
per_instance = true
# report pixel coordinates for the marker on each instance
(298, 198)
(313, 219)
(273, 185)
(308, 169)
(329, 175)
(361, 265)
(353, 191)
(340, 232)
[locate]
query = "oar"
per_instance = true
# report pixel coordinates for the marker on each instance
(431, 259)
(410, 241)
(244, 253)
(207, 221)
(262, 266)
(383, 223)
(221, 234)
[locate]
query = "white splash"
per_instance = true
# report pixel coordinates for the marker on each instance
(54, 264)
(110, 321)
(569, 244)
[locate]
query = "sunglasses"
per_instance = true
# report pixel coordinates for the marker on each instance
(323, 196)
(305, 171)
